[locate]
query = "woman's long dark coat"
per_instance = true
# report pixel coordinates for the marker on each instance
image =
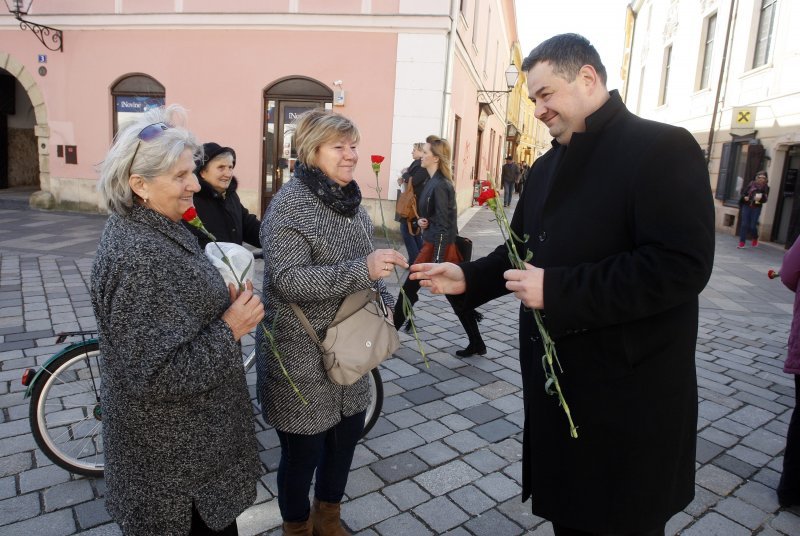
(626, 238)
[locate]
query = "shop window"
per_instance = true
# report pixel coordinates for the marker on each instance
(135, 94)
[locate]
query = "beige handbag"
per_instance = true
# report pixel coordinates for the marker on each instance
(360, 337)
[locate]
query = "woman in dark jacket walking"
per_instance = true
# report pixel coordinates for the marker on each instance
(416, 176)
(439, 223)
(217, 202)
(789, 486)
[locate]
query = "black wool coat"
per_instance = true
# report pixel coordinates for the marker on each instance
(625, 234)
(224, 216)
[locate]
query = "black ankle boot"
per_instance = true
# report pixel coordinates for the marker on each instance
(398, 317)
(469, 321)
(472, 349)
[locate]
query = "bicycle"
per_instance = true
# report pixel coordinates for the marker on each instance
(65, 413)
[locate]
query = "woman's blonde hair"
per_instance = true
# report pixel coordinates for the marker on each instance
(130, 155)
(316, 127)
(440, 148)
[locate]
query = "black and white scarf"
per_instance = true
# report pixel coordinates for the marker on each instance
(343, 199)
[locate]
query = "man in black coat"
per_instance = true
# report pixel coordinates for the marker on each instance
(619, 218)
(217, 203)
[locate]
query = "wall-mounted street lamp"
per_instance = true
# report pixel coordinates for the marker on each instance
(512, 74)
(51, 38)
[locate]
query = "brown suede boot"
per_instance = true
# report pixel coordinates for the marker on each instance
(297, 528)
(325, 519)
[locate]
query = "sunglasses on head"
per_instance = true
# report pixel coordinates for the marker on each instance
(148, 133)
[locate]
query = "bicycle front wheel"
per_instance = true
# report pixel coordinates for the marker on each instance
(65, 414)
(375, 401)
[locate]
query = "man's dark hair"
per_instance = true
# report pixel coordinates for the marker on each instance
(567, 53)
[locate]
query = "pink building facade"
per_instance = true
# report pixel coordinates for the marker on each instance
(401, 69)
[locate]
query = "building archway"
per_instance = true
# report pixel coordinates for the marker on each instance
(43, 198)
(284, 99)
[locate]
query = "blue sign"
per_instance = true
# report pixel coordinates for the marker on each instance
(136, 104)
(42, 58)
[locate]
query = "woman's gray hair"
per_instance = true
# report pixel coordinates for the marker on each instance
(316, 127)
(150, 158)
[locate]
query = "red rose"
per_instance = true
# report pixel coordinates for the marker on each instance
(772, 274)
(189, 215)
(486, 195)
(377, 159)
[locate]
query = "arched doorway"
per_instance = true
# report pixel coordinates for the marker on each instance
(284, 100)
(42, 198)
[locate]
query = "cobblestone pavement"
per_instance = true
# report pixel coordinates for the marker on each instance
(445, 455)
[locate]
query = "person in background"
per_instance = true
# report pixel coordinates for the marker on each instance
(438, 220)
(217, 203)
(178, 431)
(753, 198)
(317, 250)
(510, 175)
(415, 175)
(618, 293)
(789, 485)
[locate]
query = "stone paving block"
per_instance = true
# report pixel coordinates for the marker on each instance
(394, 443)
(510, 376)
(67, 494)
(381, 428)
(718, 437)
(441, 514)
(520, 513)
(711, 410)
(399, 467)
(8, 487)
(446, 478)
(758, 495)
(707, 451)
(405, 418)
(435, 409)
(465, 441)
(787, 522)
(472, 500)
(751, 416)
(415, 381)
(485, 461)
(405, 494)
(734, 465)
(15, 428)
(717, 480)
(53, 524)
(465, 400)
(367, 510)
(111, 529)
(481, 413)
(498, 486)
(493, 522)
(514, 471)
(733, 427)
(362, 481)
(748, 455)
(456, 385)
(714, 524)
(743, 513)
(402, 524)
(19, 508)
(759, 402)
(769, 477)
(435, 453)
(422, 395)
(431, 430)
(764, 441)
(703, 500)
(496, 430)
(497, 389)
(676, 523)
(456, 422)
(35, 479)
(91, 514)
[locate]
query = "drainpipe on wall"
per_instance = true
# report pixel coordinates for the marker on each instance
(447, 96)
(722, 69)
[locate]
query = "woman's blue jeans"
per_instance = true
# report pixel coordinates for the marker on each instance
(329, 453)
(749, 222)
(413, 243)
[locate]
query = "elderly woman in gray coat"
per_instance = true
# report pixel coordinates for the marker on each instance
(317, 249)
(181, 455)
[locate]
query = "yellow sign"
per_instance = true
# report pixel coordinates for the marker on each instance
(744, 117)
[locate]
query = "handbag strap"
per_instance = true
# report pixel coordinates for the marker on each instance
(306, 324)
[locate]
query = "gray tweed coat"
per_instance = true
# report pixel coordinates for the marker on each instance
(314, 257)
(177, 418)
